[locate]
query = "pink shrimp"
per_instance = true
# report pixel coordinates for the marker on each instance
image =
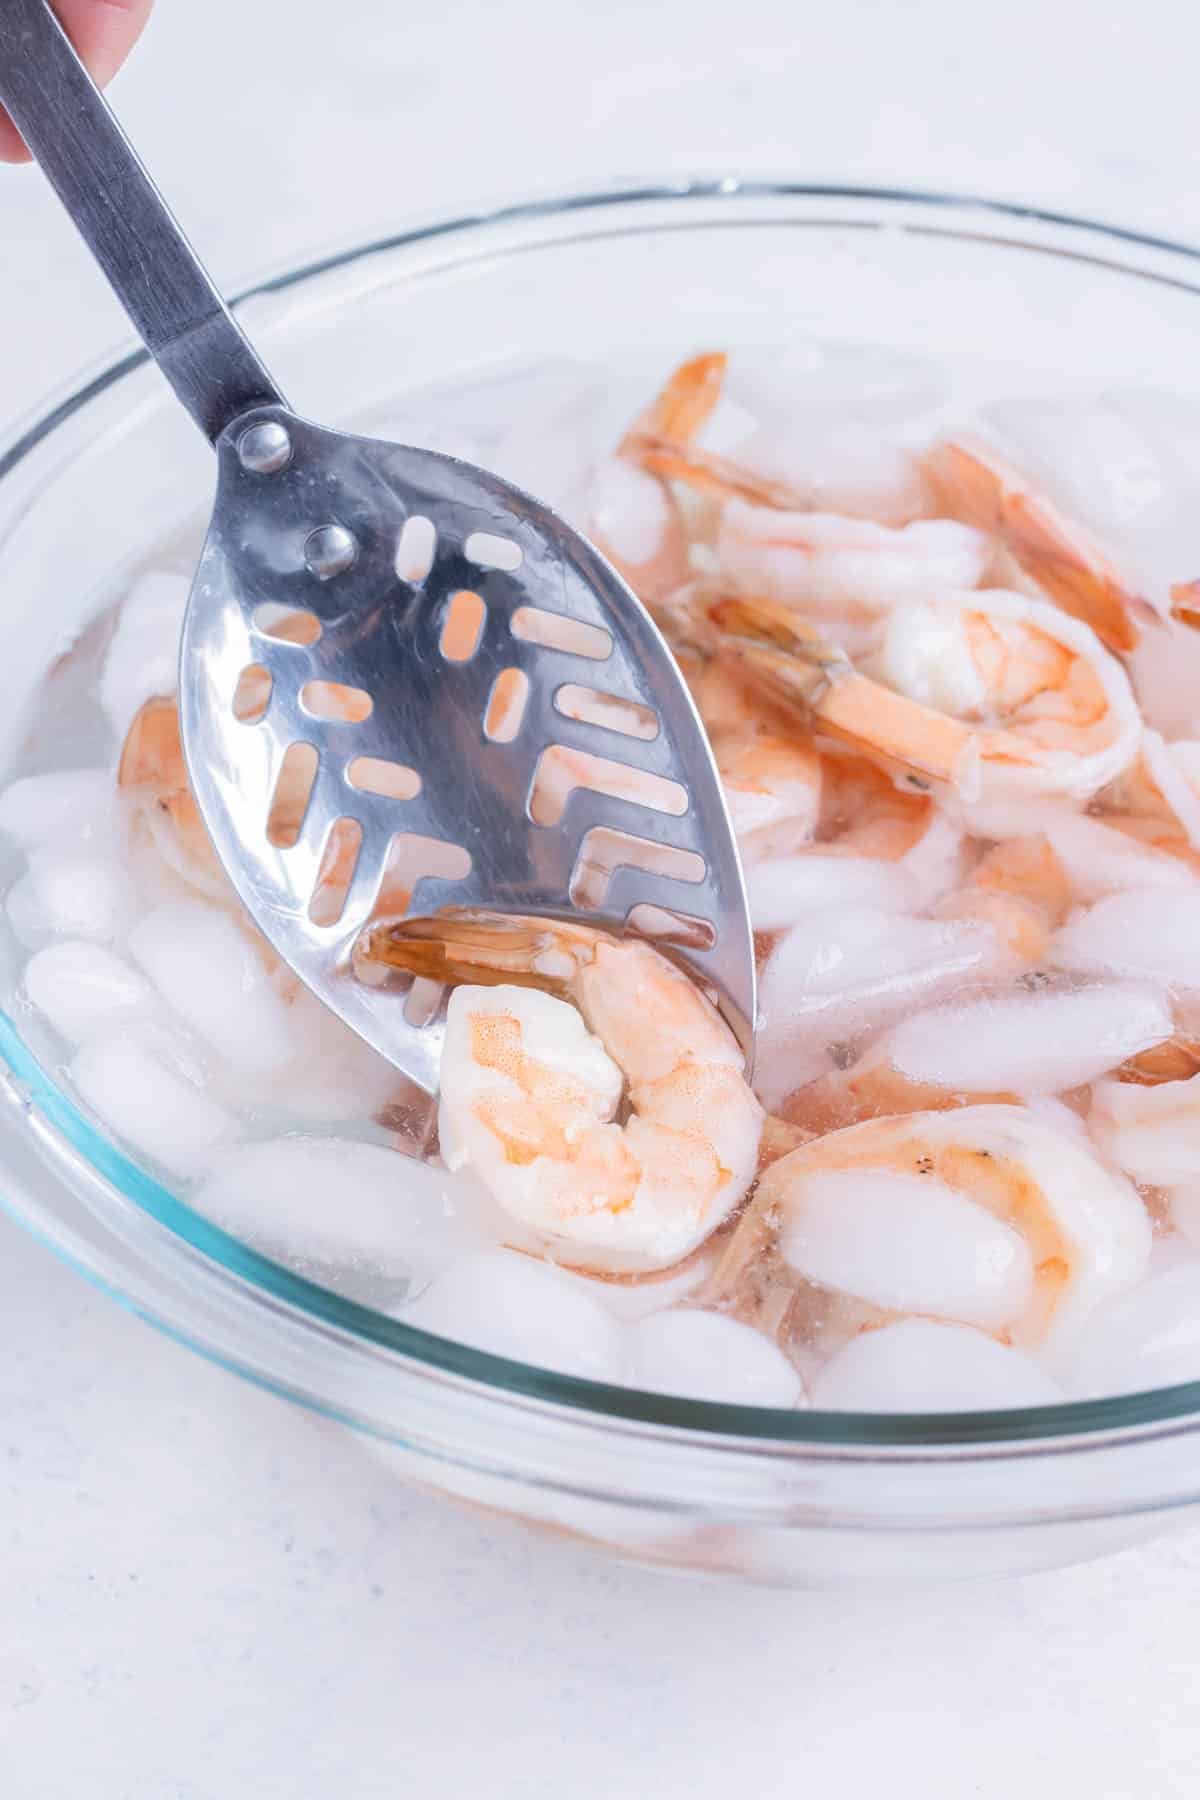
(979, 488)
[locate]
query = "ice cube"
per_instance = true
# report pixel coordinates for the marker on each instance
(143, 657)
(1149, 936)
(1183, 1204)
(1059, 1117)
(907, 1243)
(837, 971)
(72, 804)
(470, 417)
(557, 428)
(1165, 670)
(771, 380)
(1147, 1338)
(69, 893)
(849, 949)
(935, 861)
(1028, 1043)
(1097, 860)
(1163, 538)
(632, 1299)
(1175, 771)
(509, 1304)
(334, 1075)
(918, 1365)
(1169, 421)
(629, 512)
(209, 972)
(859, 381)
(142, 1087)
(728, 428)
(1171, 1249)
(85, 988)
(1184, 1214)
(328, 1202)
(404, 426)
(705, 1356)
(1092, 459)
(843, 467)
(1153, 1133)
(785, 890)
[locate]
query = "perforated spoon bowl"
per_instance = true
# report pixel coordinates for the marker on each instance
(403, 681)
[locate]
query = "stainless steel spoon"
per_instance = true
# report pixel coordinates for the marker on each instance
(459, 683)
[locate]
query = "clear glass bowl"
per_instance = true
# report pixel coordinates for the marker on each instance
(786, 1497)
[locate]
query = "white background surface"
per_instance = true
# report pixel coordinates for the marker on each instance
(284, 1625)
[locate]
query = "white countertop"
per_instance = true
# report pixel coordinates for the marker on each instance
(290, 1626)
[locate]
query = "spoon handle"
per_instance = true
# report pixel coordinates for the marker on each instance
(163, 286)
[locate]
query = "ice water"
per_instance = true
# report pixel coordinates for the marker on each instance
(1026, 964)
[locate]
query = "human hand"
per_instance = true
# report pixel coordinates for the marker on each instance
(103, 32)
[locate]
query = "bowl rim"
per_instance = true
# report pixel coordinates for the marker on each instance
(259, 1280)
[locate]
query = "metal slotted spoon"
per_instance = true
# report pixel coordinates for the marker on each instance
(398, 672)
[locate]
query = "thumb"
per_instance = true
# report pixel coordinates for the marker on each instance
(103, 32)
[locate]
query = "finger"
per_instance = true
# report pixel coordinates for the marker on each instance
(103, 32)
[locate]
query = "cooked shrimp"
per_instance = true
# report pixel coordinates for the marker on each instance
(987, 1216)
(875, 844)
(783, 792)
(1021, 890)
(978, 487)
(865, 814)
(633, 515)
(728, 703)
(683, 406)
(1155, 805)
(990, 693)
(772, 787)
(1157, 798)
(531, 1083)
(153, 774)
(769, 766)
(661, 439)
(846, 571)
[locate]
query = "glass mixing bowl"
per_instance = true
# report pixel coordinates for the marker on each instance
(800, 1497)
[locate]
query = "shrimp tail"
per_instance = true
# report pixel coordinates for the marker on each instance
(714, 476)
(797, 666)
(981, 490)
(1178, 1059)
(465, 946)
(662, 439)
(773, 640)
(684, 405)
(1185, 603)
